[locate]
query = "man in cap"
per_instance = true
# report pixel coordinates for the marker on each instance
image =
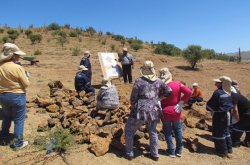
(82, 81)
(85, 61)
(13, 86)
(196, 96)
(127, 61)
(220, 105)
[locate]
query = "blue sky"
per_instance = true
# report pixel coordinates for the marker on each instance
(222, 25)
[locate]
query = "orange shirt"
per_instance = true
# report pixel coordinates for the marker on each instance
(197, 92)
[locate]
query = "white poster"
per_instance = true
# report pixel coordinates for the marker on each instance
(110, 66)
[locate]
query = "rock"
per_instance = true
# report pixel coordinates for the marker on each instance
(161, 136)
(54, 115)
(82, 109)
(45, 102)
(192, 144)
(66, 123)
(77, 102)
(58, 93)
(117, 144)
(139, 134)
(201, 124)
(31, 105)
(42, 127)
(51, 122)
(71, 114)
(52, 108)
(98, 145)
(82, 118)
(82, 94)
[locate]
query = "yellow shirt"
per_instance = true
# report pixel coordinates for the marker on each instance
(12, 78)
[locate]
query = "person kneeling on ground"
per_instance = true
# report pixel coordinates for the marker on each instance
(107, 97)
(82, 82)
(196, 96)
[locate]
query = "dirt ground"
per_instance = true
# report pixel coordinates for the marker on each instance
(58, 64)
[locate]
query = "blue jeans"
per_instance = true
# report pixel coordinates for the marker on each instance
(14, 108)
(169, 127)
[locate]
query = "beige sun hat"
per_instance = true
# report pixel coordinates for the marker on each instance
(217, 80)
(226, 83)
(165, 75)
(148, 71)
(82, 67)
(9, 50)
(87, 54)
(125, 49)
(195, 84)
(106, 83)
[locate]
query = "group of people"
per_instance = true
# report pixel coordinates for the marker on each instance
(153, 98)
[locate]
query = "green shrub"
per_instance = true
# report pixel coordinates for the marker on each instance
(91, 31)
(118, 37)
(136, 46)
(1, 30)
(112, 47)
(193, 54)
(35, 38)
(167, 49)
(108, 33)
(76, 51)
(13, 34)
(62, 40)
(62, 140)
(67, 26)
(73, 34)
(6, 39)
(28, 32)
(104, 42)
(53, 26)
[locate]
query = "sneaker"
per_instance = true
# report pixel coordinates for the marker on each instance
(25, 143)
(178, 155)
(128, 157)
(151, 157)
(170, 154)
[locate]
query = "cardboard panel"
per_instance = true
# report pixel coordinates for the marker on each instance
(111, 68)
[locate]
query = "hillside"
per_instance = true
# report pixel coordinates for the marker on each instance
(57, 63)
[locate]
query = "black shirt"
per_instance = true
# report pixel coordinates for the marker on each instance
(243, 104)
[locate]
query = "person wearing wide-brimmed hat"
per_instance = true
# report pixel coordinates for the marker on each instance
(107, 97)
(82, 81)
(220, 105)
(145, 108)
(13, 86)
(127, 61)
(197, 95)
(85, 61)
(172, 112)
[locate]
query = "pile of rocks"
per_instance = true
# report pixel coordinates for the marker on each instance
(78, 113)
(100, 128)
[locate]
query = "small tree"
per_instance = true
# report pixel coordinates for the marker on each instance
(35, 38)
(28, 32)
(193, 54)
(62, 40)
(53, 26)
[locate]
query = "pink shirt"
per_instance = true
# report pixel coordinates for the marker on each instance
(169, 103)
